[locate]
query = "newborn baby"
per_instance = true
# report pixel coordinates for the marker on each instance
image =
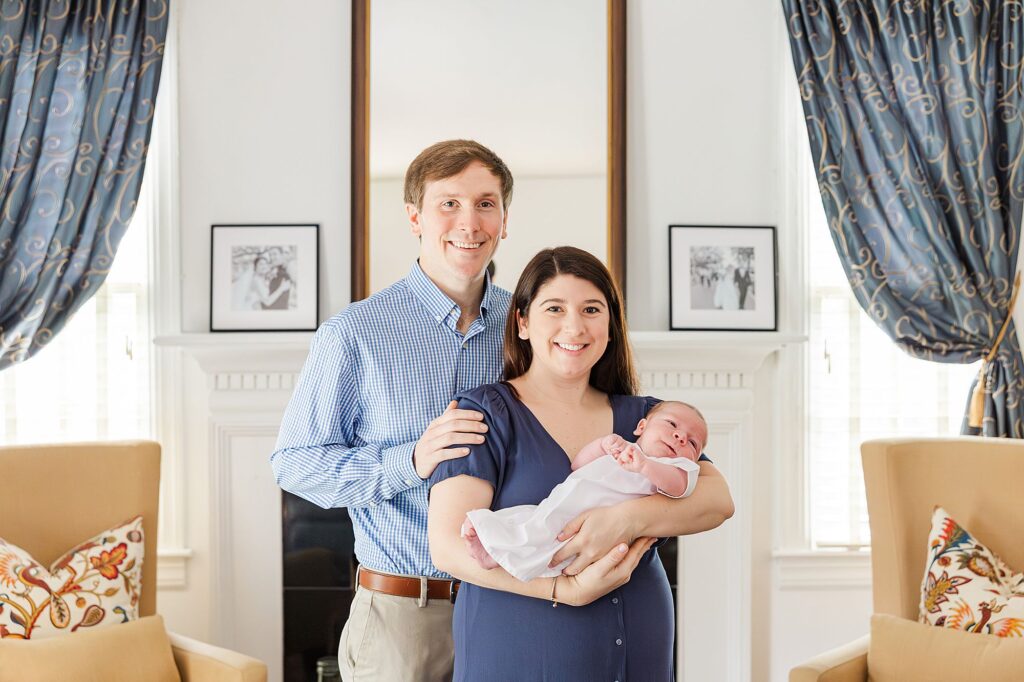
(522, 539)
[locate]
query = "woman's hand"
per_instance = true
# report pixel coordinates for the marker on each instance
(612, 571)
(593, 533)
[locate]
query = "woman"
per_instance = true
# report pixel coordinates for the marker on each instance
(261, 297)
(569, 379)
(727, 295)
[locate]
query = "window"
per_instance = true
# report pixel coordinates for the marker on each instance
(859, 385)
(92, 382)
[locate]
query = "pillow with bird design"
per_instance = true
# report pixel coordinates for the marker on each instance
(93, 585)
(967, 586)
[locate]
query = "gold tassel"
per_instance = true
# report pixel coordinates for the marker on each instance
(976, 413)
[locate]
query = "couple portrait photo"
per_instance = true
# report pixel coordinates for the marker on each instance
(262, 277)
(722, 278)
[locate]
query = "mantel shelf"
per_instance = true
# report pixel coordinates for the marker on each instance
(235, 340)
(646, 339)
(654, 350)
(687, 340)
(220, 352)
(726, 351)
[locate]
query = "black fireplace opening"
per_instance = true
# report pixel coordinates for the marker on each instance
(319, 572)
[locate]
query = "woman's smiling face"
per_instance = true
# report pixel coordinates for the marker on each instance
(567, 325)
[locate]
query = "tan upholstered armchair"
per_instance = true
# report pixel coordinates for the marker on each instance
(977, 480)
(57, 496)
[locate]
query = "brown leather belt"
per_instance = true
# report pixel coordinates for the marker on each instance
(408, 586)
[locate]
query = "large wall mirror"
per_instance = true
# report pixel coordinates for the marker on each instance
(541, 83)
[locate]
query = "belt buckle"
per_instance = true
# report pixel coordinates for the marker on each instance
(424, 584)
(452, 590)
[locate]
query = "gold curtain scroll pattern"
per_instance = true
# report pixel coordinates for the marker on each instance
(914, 115)
(78, 84)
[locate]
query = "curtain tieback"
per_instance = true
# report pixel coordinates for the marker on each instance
(977, 412)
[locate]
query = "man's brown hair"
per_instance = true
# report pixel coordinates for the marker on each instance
(448, 158)
(614, 372)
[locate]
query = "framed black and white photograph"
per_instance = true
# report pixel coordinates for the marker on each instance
(264, 277)
(722, 278)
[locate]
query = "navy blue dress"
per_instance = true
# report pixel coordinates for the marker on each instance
(625, 635)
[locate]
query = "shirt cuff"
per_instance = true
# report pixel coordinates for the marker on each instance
(398, 467)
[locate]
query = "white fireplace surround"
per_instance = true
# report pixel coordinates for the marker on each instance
(237, 386)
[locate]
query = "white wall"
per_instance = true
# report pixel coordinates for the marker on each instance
(702, 130)
(264, 131)
(264, 137)
(263, 123)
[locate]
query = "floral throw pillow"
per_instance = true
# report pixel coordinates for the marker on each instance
(966, 586)
(94, 584)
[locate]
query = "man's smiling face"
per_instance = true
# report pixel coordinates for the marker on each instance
(460, 223)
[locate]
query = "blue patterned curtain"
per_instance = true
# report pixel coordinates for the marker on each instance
(914, 115)
(78, 82)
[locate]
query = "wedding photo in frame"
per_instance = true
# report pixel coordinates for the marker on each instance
(264, 277)
(722, 278)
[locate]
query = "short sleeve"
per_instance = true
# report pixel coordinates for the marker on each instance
(649, 403)
(486, 460)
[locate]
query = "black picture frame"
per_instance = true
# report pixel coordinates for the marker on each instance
(286, 256)
(723, 278)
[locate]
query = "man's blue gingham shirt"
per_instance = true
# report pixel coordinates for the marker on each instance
(377, 374)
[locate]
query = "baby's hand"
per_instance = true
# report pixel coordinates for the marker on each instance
(631, 458)
(613, 444)
(475, 548)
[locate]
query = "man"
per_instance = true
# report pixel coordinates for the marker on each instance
(743, 281)
(277, 276)
(372, 413)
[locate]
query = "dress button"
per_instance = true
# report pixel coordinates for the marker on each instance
(618, 642)
(408, 481)
(465, 345)
(615, 600)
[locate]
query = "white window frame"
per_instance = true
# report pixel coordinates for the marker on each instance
(792, 528)
(165, 310)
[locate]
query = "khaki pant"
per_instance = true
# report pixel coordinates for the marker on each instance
(392, 638)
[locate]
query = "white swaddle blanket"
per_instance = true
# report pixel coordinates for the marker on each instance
(522, 539)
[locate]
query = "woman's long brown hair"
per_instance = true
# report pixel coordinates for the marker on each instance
(614, 373)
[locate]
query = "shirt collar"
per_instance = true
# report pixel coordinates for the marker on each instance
(437, 303)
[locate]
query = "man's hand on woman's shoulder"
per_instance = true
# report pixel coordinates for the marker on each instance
(453, 427)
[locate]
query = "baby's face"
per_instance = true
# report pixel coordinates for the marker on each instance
(673, 430)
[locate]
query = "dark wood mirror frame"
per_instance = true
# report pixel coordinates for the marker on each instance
(361, 145)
